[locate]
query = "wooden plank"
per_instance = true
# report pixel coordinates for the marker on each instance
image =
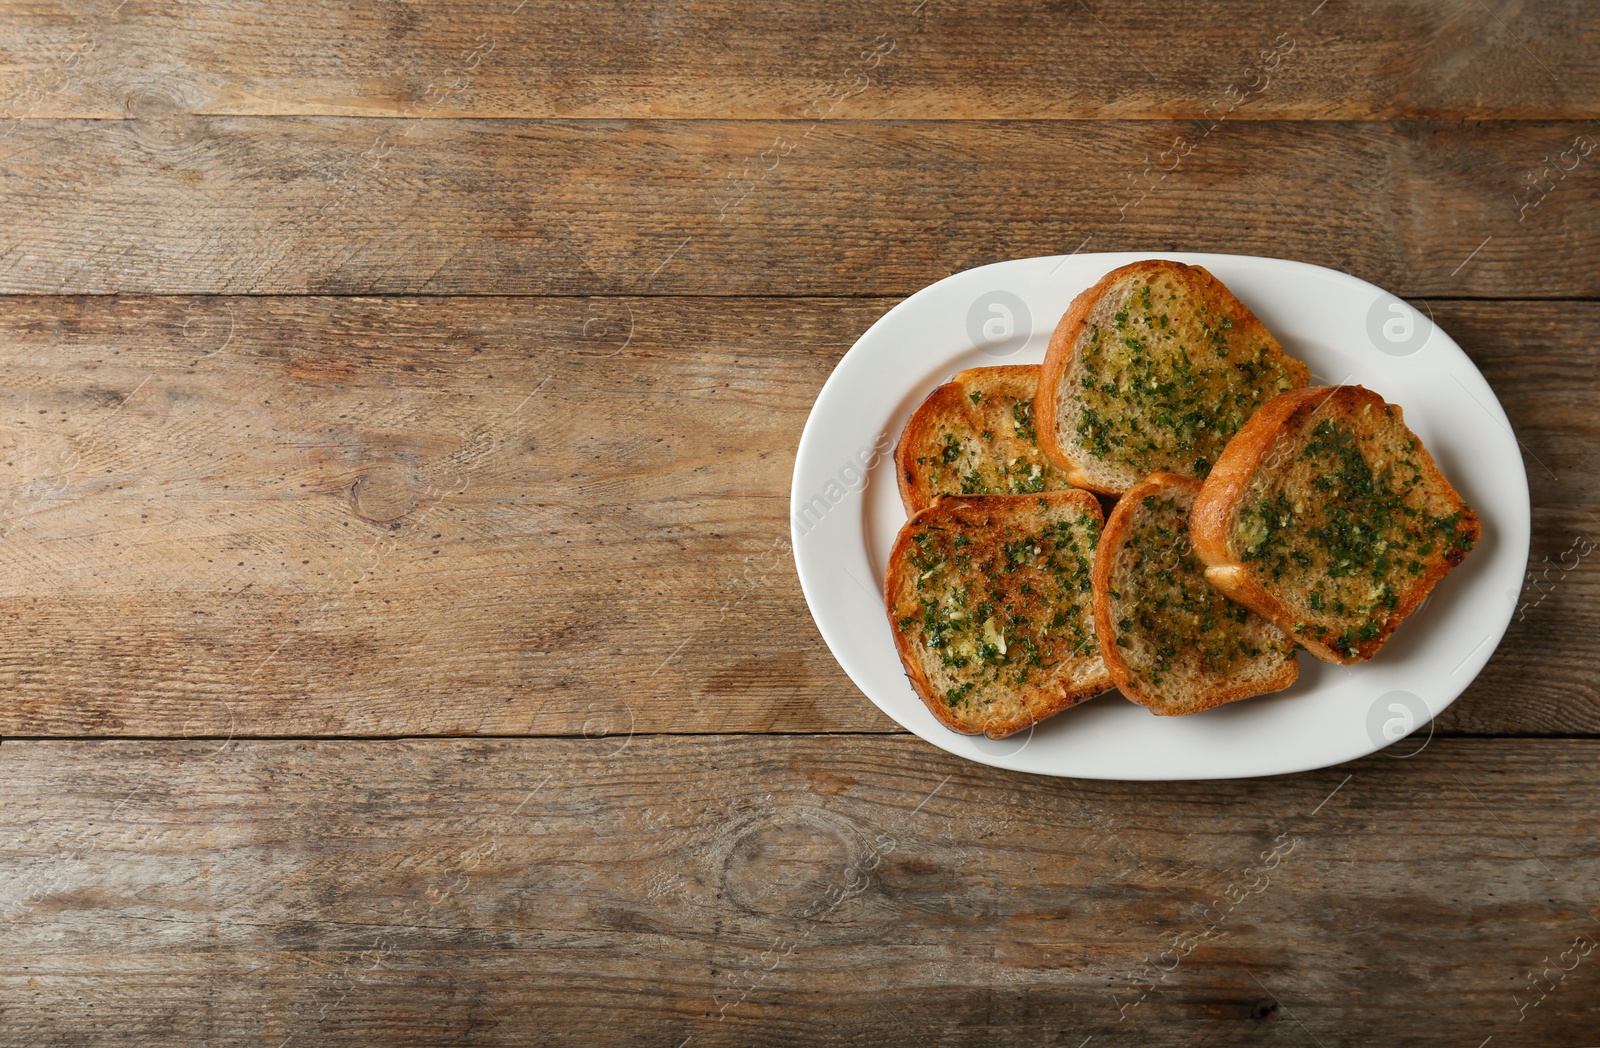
(1542, 679)
(853, 59)
(173, 203)
(393, 517)
(773, 890)
(312, 516)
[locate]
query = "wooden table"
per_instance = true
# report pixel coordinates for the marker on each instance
(403, 645)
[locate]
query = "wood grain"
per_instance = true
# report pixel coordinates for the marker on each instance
(541, 488)
(831, 890)
(390, 517)
(175, 203)
(854, 59)
(334, 516)
(1541, 359)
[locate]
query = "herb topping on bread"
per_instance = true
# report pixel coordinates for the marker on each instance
(975, 435)
(990, 601)
(1172, 642)
(1154, 368)
(1328, 516)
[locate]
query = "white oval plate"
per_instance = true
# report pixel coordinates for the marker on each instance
(845, 510)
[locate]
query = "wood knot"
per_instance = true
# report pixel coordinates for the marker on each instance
(383, 494)
(162, 118)
(798, 862)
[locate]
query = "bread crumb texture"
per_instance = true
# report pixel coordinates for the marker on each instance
(998, 612)
(976, 436)
(1172, 625)
(1165, 378)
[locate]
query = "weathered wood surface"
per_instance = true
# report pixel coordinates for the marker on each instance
(1136, 58)
(391, 517)
(333, 516)
(832, 890)
(175, 203)
(1541, 358)
(248, 515)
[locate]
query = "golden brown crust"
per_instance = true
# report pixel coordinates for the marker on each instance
(1212, 521)
(948, 408)
(1119, 522)
(970, 514)
(1118, 528)
(893, 585)
(1061, 358)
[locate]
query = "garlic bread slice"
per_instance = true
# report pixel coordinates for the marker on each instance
(990, 601)
(1154, 368)
(1327, 516)
(975, 435)
(1172, 642)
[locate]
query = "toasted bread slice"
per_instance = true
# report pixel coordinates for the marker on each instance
(1154, 368)
(989, 599)
(1327, 516)
(974, 435)
(1172, 642)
